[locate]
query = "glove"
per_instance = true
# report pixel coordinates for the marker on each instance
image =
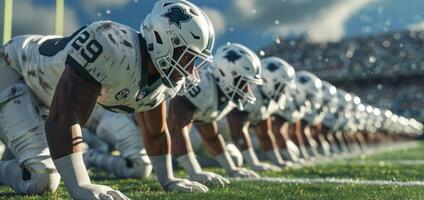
(184, 185)
(95, 192)
(253, 162)
(162, 166)
(243, 173)
(264, 167)
(77, 181)
(227, 163)
(192, 167)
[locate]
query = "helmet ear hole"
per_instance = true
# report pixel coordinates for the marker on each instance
(176, 41)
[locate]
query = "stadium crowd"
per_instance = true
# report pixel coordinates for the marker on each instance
(361, 64)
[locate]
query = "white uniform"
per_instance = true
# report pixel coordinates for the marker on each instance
(211, 103)
(261, 109)
(104, 53)
(108, 52)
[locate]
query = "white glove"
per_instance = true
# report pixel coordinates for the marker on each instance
(243, 173)
(227, 163)
(184, 185)
(275, 157)
(253, 162)
(260, 166)
(162, 166)
(209, 178)
(192, 167)
(94, 192)
(77, 181)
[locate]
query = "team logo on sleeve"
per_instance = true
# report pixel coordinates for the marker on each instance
(122, 94)
(177, 15)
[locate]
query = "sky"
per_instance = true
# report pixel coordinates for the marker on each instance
(254, 23)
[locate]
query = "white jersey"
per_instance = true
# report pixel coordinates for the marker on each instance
(104, 52)
(291, 112)
(261, 109)
(210, 102)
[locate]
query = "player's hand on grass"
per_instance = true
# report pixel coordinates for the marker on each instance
(264, 167)
(96, 192)
(184, 185)
(209, 178)
(243, 173)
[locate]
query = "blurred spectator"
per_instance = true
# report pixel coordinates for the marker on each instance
(359, 65)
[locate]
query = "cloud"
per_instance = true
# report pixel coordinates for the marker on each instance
(217, 19)
(416, 26)
(93, 5)
(321, 21)
(39, 19)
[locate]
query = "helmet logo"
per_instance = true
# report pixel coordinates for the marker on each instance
(232, 56)
(177, 15)
(272, 67)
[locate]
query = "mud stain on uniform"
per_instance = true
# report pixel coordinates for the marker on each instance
(128, 44)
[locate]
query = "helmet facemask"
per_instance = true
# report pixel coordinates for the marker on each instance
(184, 63)
(240, 91)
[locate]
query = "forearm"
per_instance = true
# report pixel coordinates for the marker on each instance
(181, 143)
(266, 139)
(241, 140)
(215, 145)
(157, 144)
(214, 141)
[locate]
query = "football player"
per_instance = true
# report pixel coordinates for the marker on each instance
(105, 62)
(225, 84)
(278, 77)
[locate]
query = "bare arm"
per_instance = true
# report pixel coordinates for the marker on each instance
(158, 146)
(155, 131)
(180, 117)
(71, 106)
(214, 141)
(264, 133)
(239, 125)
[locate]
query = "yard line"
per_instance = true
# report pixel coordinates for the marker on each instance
(332, 181)
(388, 162)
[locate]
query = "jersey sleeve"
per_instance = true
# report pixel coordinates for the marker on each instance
(94, 52)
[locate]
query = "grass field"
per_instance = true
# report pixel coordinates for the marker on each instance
(389, 174)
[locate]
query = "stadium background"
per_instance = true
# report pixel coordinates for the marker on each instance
(373, 48)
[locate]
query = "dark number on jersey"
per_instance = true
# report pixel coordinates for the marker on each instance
(193, 92)
(91, 51)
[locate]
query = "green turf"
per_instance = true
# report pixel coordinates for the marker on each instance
(372, 167)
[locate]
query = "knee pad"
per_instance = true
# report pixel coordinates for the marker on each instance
(235, 154)
(2, 150)
(43, 176)
(139, 167)
(30, 178)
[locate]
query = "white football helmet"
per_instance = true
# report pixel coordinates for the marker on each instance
(235, 68)
(179, 36)
(310, 92)
(279, 79)
(330, 99)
